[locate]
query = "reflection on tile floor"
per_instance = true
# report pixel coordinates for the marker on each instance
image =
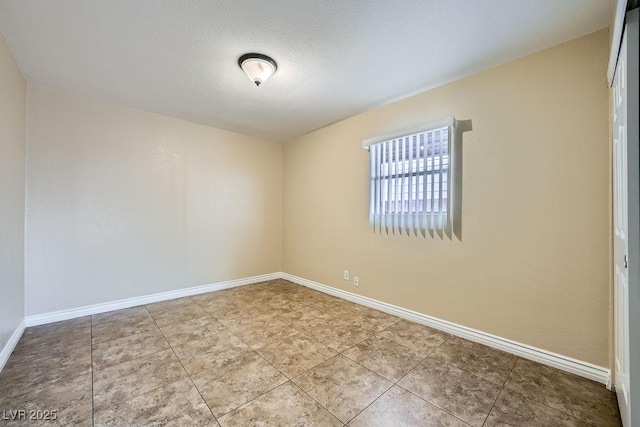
(279, 354)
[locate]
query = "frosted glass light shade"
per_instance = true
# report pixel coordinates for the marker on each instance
(258, 67)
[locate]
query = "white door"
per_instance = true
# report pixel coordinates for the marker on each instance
(621, 228)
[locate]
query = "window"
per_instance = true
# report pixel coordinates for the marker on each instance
(412, 180)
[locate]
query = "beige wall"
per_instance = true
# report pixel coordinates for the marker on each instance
(533, 262)
(13, 91)
(123, 203)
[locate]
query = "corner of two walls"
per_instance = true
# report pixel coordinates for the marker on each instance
(13, 139)
(533, 264)
(123, 203)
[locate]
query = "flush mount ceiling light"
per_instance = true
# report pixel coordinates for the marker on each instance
(257, 66)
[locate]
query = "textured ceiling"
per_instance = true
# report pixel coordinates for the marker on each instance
(336, 58)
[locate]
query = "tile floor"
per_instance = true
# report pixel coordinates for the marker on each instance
(280, 354)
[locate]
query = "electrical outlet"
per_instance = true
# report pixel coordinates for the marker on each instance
(356, 281)
(346, 275)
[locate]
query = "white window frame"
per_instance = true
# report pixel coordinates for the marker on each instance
(416, 211)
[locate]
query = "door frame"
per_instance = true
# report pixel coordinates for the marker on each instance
(633, 152)
(630, 30)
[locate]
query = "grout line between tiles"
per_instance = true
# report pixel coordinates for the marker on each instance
(400, 379)
(493, 404)
(291, 379)
(433, 404)
(186, 372)
(137, 332)
(252, 350)
(470, 372)
(396, 383)
(319, 404)
(341, 353)
(535, 400)
(372, 402)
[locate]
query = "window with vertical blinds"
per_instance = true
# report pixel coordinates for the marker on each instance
(411, 180)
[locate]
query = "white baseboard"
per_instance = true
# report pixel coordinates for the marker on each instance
(568, 364)
(11, 344)
(56, 316)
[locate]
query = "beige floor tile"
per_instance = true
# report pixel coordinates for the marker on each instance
(398, 407)
(34, 370)
(116, 315)
(385, 357)
(175, 404)
(301, 294)
(69, 398)
(61, 344)
(235, 382)
(249, 291)
(280, 306)
(579, 397)
(58, 337)
(237, 292)
(338, 334)
(342, 386)
(374, 320)
(420, 338)
(458, 392)
(338, 308)
(107, 330)
(281, 303)
(53, 330)
(193, 330)
(209, 351)
(311, 298)
(220, 307)
(179, 314)
(258, 297)
(236, 320)
(274, 312)
(125, 349)
(485, 362)
(286, 405)
(296, 354)
(512, 409)
(265, 293)
(162, 306)
(259, 334)
(305, 318)
(283, 286)
(85, 422)
(126, 380)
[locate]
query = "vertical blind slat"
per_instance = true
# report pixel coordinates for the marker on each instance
(414, 175)
(410, 185)
(396, 219)
(372, 185)
(432, 150)
(448, 219)
(385, 201)
(424, 184)
(401, 179)
(440, 181)
(378, 179)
